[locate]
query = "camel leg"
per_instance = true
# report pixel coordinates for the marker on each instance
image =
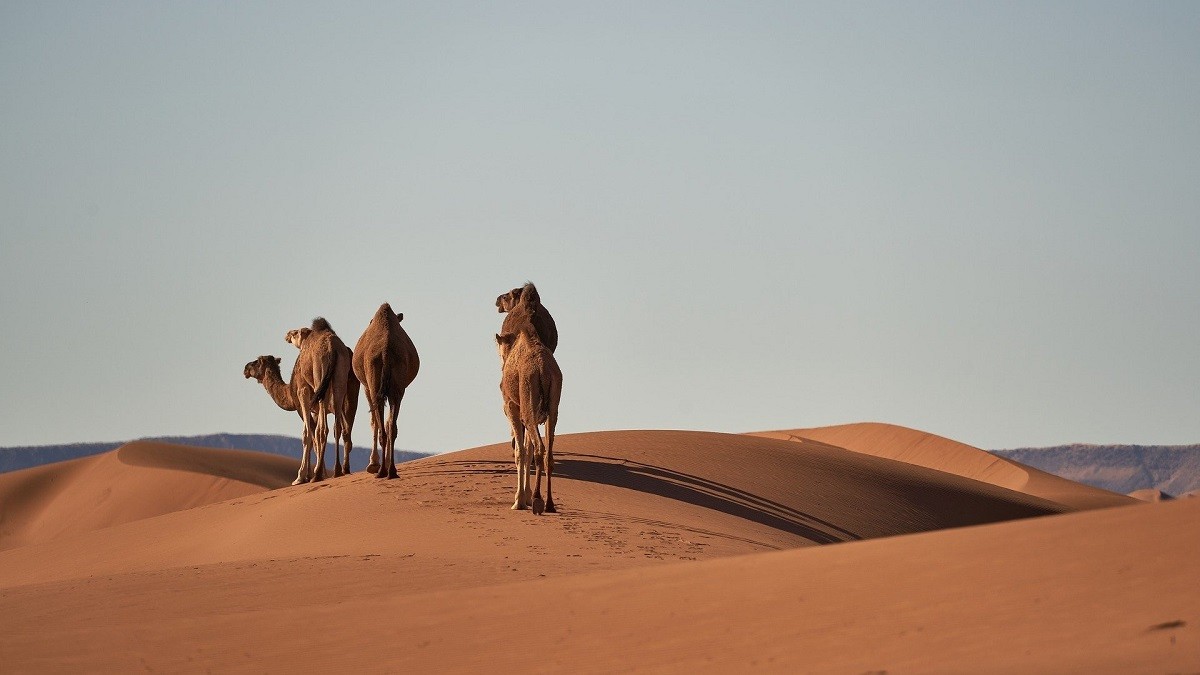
(306, 442)
(391, 448)
(519, 456)
(320, 440)
(302, 474)
(376, 430)
(549, 459)
(539, 458)
(386, 466)
(337, 445)
(349, 445)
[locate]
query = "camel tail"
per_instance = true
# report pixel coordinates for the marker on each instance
(381, 392)
(541, 394)
(322, 387)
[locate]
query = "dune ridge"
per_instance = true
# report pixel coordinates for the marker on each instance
(137, 480)
(943, 454)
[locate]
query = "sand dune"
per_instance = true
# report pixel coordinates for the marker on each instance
(138, 480)
(943, 454)
(1151, 495)
(673, 551)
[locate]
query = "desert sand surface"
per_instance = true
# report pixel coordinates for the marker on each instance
(943, 454)
(672, 552)
(136, 481)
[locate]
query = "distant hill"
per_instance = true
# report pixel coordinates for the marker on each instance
(1172, 469)
(13, 459)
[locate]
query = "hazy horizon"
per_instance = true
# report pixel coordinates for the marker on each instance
(978, 220)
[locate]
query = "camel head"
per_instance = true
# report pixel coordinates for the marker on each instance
(296, 336)
(504, 344)
(528, 293)
(258, 368)
(506, 302)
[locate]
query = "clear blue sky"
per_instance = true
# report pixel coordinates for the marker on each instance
(981, 220)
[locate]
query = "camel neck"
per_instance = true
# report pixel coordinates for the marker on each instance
(279, 390)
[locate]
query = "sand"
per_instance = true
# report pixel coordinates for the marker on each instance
(138, 480)
(943, 454)
(673, 551)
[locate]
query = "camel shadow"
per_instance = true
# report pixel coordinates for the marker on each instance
(700, 492)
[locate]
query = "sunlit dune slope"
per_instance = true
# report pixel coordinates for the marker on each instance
(673, 552)
(138, 480)
(943, 454)
(640, 495)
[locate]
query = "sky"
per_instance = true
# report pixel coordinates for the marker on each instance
(977, 219)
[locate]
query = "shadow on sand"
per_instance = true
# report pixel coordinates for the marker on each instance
(700, 492)
(667, 483)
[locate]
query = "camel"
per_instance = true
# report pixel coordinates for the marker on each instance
(320, 390)
(344, 378)
(531, 385)
(524, 304)
(265, 369)
(386, 362)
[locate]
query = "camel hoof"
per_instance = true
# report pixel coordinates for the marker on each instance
(346, 469)
(373, 467)
(337, 470)
(392, 473)
(300, 481)
(318, 478)
(539, 506)
(550, 507)
(518, 506)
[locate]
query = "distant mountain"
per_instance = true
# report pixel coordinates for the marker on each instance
(24, 457)
(13, 459)
(1172, 469)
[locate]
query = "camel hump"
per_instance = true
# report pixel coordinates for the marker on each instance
(320, 323)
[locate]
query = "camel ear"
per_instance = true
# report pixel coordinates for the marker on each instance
(399, 316)
(506, 339)
(304, 332)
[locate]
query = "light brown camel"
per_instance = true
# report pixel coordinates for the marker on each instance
(531, 385)
(319, 391)
(386, 362)
(344, 376)
(525, 304)
(265, 369)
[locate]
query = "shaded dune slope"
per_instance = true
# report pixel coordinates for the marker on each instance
(943, 454)
(138, 480)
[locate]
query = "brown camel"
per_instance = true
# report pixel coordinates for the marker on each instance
(348, 395)
(386, 362)
(524, 304)
(531, 385)
(265, 369)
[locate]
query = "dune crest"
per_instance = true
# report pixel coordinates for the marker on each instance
(943, 454)
(138, 480)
